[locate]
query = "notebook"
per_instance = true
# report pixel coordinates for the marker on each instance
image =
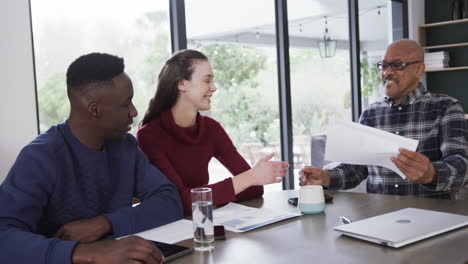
(402, 227)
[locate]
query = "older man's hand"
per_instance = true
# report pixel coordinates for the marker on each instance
(416, 166)
(313, 176)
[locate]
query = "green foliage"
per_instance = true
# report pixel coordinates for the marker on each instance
(236, 104)
(146, 77)
(371, 79)
(152, 52)
(308, 117)
(155, 48)
(53, 101)
(298, 56)
(234, 66)
(317, 90)
(144, 57)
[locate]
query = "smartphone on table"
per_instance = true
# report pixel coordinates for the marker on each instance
(293, 201)
(219, 232)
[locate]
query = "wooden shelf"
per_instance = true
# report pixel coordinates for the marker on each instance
(422, 33)
(449, 69)
(422, 41)
(458, 21)
(463, 44)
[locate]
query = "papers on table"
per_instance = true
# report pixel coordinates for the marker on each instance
(239, 218)
(234, 217)
(170, 233)
(353, 143)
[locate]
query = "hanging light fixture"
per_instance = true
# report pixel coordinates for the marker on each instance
(327, 47)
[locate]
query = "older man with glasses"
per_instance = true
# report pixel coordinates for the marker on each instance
(439, 166)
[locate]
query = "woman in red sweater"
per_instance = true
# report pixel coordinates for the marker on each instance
(181, 142)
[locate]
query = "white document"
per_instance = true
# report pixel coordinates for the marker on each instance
(239, 218)
(171, 233)
(353, 143)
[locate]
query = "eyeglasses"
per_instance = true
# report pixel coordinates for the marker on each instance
(395, 65)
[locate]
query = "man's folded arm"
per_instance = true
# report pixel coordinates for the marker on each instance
(160, 204)
(23, 196)
(20, 246)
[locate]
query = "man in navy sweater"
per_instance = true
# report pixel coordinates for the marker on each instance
(73, 185)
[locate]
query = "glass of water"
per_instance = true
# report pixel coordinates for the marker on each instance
(202, 217)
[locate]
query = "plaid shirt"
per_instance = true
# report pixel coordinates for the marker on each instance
(438, 122)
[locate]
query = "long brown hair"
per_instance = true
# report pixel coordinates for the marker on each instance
(177, 68)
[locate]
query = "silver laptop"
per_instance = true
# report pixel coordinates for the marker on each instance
(403, 227)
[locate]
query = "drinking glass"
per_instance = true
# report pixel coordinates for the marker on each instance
(202, 217)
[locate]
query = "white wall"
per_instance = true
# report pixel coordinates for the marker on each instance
(18, 124)
(415, 17)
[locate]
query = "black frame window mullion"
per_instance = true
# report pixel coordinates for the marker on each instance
(404, 16)
(284, 92)
(405, 19)
(36, 94)
(177, 24)
(355, 59)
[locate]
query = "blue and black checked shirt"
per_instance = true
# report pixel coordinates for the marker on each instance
(438, 122)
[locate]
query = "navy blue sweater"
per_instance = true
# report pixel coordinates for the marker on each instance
(56, 180)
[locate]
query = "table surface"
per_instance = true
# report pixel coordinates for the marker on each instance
(311, 238)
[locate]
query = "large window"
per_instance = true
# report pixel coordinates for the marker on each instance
(242, 52)
(65, 30)
(374, 34)
(320, 77)
(239, 38)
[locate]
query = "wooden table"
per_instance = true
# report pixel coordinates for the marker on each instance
(311, 238)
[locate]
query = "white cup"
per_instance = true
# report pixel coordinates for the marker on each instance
(311, 199)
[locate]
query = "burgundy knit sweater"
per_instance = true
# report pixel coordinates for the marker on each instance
(183, 154)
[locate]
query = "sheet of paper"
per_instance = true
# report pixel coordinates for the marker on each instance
(353, 143)
(239, 218)
(170, 233)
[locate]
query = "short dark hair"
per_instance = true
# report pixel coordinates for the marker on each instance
(93, 68)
